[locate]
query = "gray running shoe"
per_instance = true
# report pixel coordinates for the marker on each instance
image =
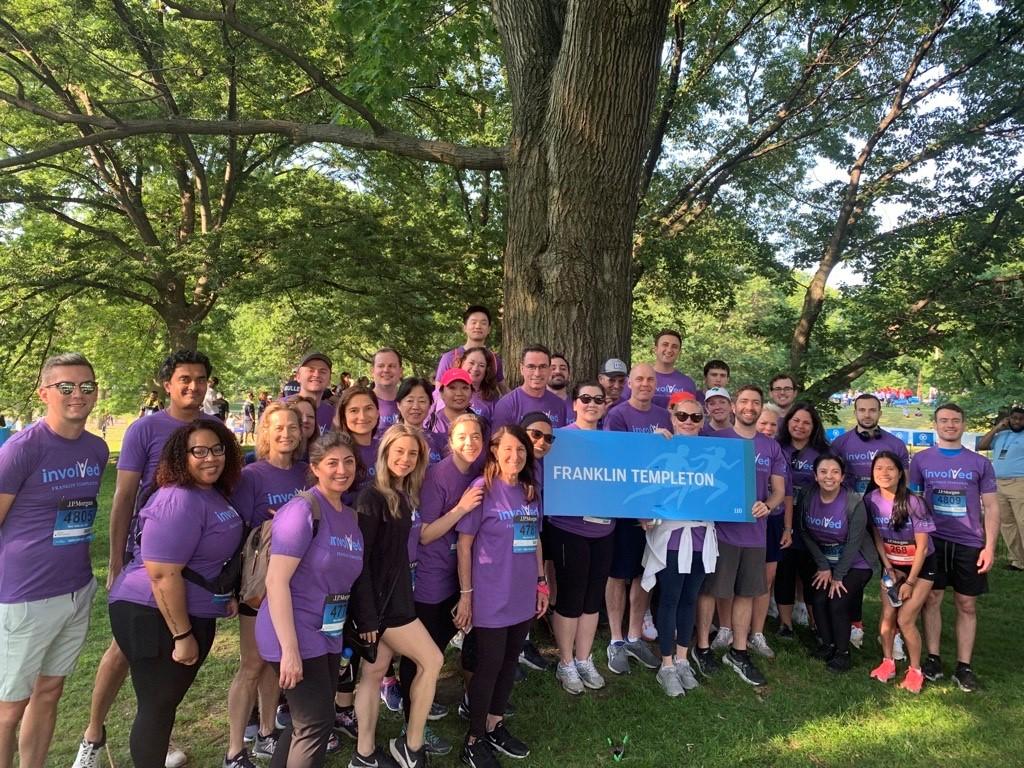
(567, 675)
(669, 682)
(723, 639)
(618, 661)
(759, 645)
(639, 651)
(686, 676)
(589, 674)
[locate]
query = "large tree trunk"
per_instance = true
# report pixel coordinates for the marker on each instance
(582, 87)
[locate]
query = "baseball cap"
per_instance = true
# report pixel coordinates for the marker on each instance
(678, 397)
(455, 374)
(316, 356)
(614, 365)
(717, 392)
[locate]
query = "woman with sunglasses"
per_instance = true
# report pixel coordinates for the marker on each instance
(580, 547)
(165, 604)
(679, 553)
(481, 365)
(501, 588)
(833, 524)
(901, 527)
(802, 438)
(278, 474)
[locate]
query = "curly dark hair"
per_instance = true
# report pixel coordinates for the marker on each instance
(173, 467)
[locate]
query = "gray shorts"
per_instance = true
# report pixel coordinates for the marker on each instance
(42, 638)
(739, 572)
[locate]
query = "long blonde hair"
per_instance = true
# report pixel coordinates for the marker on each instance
(390, 487)
(263, 431)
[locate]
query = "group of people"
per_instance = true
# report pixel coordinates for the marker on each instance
(374, 527)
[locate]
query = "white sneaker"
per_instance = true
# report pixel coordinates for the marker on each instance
(723, 639)
(857, 637)
(759, 645)
(800, 615)
(773, 609)
(567, 675)
(670, 683)
(589, 674)
(456, 642)
(175, 757)
(899, 653)
(685, 673)
(649, 632)
(89, 754)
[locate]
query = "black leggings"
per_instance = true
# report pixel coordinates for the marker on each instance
(497, 653)
(303, 744)
(677, 602)
(160, 683)
(786, 573)
(582, 565)
(437, 618)
(833, 616)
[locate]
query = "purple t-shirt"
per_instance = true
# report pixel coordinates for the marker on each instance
(696, 534)
(143, 442)
(329, 564)
(516, 404)
(194, 526)
(666, 384)
(437, 442)
(858, 455)
(44, 540)
(388, 414)
(590, 526)
(900, 546)
(951, 482)
(263, 488)
(801, 469)
(481, 407)
(626, 418)
(768, 461)
(448, 360)
(507, 533)
(827, 525)
(325, 417)
(437, 576)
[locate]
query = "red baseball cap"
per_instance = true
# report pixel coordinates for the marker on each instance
(455, 374)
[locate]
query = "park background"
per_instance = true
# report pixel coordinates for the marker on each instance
(827, 187)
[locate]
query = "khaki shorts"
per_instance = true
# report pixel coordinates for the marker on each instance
(739, 572)
(42, 638)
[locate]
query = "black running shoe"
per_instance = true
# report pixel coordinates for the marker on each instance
(965, 679)
(704, 660)
(744, 667)
(823, 651)
(379, 759)
(785, 632)
(932, 668)
(532, 658)
(840, 662)
(479, 754)
(506, 743)
(405, 757)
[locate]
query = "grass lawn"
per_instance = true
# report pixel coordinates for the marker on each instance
(804, 716)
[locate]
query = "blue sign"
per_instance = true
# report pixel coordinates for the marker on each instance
(833, 432)
(643, 475)
(905, 435)
(925, 439)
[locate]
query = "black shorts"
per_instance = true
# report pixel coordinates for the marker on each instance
(245, 610)
(630, 542)
(927, 569)
(582, 565)
(773, 551)
(956, 566)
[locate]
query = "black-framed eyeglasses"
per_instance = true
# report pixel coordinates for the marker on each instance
(202, 451)
(588, 399)
(681, 417)
(536, 434)
(783, 389)
(67, 387)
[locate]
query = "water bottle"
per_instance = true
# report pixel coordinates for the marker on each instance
(346, 659)
(891, 590)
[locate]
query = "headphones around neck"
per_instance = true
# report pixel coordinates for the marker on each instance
(870, 434)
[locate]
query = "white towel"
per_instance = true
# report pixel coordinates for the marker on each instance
(656, 552)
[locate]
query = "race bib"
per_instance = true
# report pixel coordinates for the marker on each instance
(832, 552)
(524, 534)
(598, 520)
(951, 503)
(899, 552)
(335, 611)
(75, 518)
(412, 574)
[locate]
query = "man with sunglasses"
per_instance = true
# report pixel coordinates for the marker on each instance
(185, 376)
(638, 414)
(50, 475)
(533, 395)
